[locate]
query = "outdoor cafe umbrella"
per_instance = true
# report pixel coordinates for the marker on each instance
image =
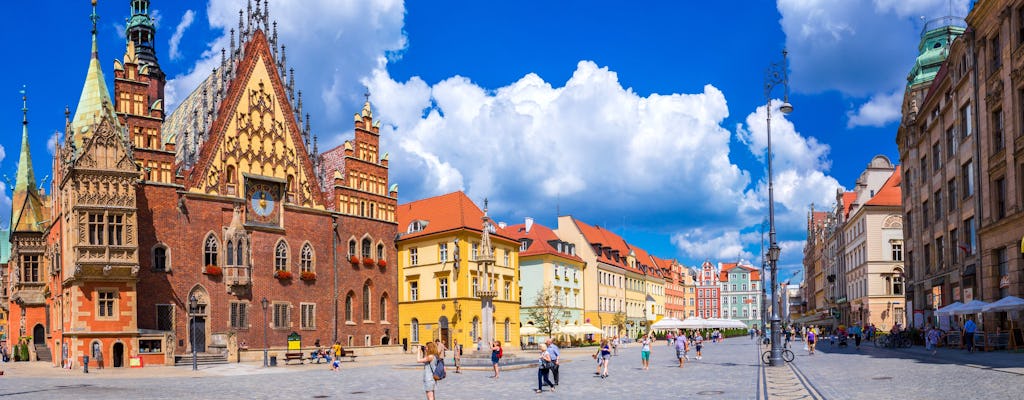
(668, 323)
(582, 330)
(948, 310)
(695, 323)
(1008, 303)
(972, 307)
(529, 331)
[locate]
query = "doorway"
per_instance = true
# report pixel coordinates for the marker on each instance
(38, 334)
(118, 355)
(197, 333)
(443, 325)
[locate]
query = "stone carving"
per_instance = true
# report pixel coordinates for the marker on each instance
(107, 269)
(135, 270)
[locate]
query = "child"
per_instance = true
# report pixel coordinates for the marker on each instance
(698, 344)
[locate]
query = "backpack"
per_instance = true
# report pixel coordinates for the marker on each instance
(438, 370)
(501, 352)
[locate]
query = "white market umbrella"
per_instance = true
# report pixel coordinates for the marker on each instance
(973, 307)
(695, 323)
(948, 309)
(668, 323)
(587, 329)
(529, 331)
(1008, 303)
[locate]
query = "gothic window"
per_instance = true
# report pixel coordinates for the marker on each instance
(210, 250)
(366, 301)
(231, 253)
(383, 307)
(348, 307)
(115, 230)
(307, 258)
(239, 253)
(160, 258)
(95, 227)
(414, 330)
(366, 247)
(352, 247)
(281, 256)
(380, 251)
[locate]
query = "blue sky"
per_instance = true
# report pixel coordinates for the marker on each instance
(645, 118)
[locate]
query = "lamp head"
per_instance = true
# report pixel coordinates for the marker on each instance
(786, 108)
(773, 253)
(264, 303)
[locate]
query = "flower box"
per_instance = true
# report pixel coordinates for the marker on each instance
(354, 260)
(213, 270)
(308, 276)
(283, 275)
(382, 263)
(367, 261)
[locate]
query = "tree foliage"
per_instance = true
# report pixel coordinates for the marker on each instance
(547, 308)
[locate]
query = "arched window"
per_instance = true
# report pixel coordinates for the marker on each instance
(474, 332)
(210, 250)
(348, 307)
(508, 330)
(352, 247)
(383, 308)
(281, 256)
(366, 301)
(380, 251)
(239, 258)
(160, 258)
(307, 258)
(366, 248)
(231, 253)
(230, 174)
(414, 330)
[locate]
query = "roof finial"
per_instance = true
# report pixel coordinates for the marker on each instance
(95, 18)
(485, 206)
(24, 105)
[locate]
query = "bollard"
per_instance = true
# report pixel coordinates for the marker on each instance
(85, 364)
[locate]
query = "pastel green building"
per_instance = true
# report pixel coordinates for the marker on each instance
(741, 292)
(547, 261)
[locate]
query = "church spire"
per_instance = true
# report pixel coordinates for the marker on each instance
(26, 208)
(141, 30)
(94, 103)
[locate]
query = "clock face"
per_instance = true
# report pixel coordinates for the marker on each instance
(262, 202)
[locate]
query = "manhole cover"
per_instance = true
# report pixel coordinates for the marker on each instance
(882, 378)
(710, 392)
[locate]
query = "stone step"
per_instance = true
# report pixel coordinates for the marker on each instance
(201, 359)
(43, 353)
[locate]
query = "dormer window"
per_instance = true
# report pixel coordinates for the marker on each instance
(417, 226)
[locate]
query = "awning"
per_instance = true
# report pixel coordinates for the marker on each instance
(970, 270)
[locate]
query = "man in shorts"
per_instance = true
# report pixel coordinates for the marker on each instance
(682, 345)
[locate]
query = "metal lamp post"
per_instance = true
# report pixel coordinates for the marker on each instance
(265, 305)
(775, 75)
(192, 303)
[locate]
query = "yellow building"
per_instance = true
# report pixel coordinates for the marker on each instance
(447, 274)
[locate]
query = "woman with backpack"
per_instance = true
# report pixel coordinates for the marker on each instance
(543, 366)
(429, 359)
(496, 354)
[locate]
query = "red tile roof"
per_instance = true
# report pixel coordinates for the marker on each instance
(597, 235)
(891, 193)
(447, 212)
(540, 236)
(755, 273)
(848, 199)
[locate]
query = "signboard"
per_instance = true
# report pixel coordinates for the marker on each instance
(294, 342)
(135, 362)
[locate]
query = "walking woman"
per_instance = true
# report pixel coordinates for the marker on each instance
(604, 354)
(495, 357)
(428, 357)
(544, 365)
(457, 350)
(645, 352)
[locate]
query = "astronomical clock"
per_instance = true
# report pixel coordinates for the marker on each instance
(263, 202)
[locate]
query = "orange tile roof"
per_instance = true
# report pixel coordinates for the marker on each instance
(447, 212)
(597, 235)
(541, 237)
(891, 193)
(848, 199)
(755, 273)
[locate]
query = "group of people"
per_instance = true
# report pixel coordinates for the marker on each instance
(331, 355)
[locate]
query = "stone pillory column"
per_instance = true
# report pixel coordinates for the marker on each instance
(486, 291)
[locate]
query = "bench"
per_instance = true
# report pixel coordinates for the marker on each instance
(348, 355)
(293, 356)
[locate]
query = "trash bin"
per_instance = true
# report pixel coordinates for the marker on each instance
(273, 361)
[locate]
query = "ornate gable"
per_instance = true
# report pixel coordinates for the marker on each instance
(106, 149)
(255, 136)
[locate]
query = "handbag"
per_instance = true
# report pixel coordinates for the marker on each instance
(546, 364)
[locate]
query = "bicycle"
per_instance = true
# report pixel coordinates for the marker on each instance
(787, 356)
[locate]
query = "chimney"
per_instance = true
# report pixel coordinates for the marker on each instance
(529, 224)
(502, 224)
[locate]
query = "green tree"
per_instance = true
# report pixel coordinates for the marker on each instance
(547, 307)
(620, 322)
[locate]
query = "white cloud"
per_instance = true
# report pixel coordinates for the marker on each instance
(597, 147)
(879, 111)
(186, 21)
(723, 245)
(860, 48)
(52, 142)
(357, 32)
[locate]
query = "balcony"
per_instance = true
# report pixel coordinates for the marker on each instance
(237, 278)
(486, 293)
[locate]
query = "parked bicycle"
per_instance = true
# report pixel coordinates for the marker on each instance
(787, 356)
(893, 341)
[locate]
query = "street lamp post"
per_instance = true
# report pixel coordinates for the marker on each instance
(764, 262)
(265, 305)
(775, 75)
(192, 303)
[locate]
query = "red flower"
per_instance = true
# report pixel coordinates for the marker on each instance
(213, 270)
(382, 263)
(283, 275)
(367, 261)
(308, 276)
(354, 260)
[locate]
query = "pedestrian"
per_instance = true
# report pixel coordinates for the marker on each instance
(544, 364)
(811, 339)
(681, 347)
(698, 344)
(645, 352)
(428, 357)
(442, 350)
(789, 337)
(668, 339)
(555, 354)
(931, 338)
(457, 355)
(604, 355)
(496, 354)
(751, 332)
(969, 329)
(97, 353)
(856, 332)
(615, 345)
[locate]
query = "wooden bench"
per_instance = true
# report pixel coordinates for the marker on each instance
(348, 355)
(293, 356)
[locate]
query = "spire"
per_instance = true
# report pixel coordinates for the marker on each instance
(94, 103)
(141, 31)
(26, 208)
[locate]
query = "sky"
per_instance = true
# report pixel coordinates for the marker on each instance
(646, 118)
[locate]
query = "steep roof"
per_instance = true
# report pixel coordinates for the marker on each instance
(891, 193)
(94, 103)
(447, 212)
(26, 207)
(540, 237)
(848, 199)
(600, 236)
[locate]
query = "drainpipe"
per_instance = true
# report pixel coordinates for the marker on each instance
(334, 264)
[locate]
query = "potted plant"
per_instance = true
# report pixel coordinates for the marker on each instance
(382, 263)
(353, 259)
(283, 274)
(213, 270)
(367, 261)
(308, 276)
